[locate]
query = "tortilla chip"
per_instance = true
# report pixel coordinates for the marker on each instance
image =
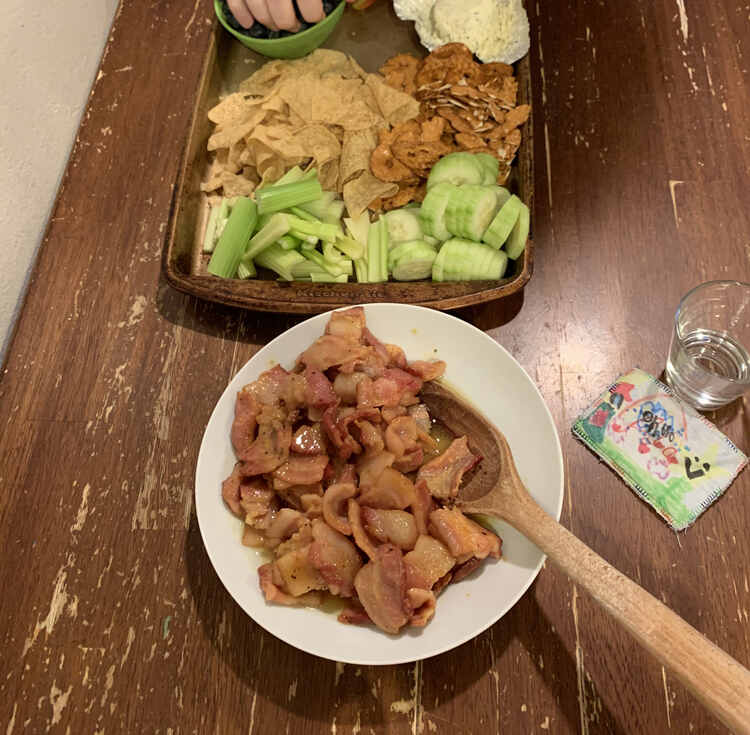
(359, 192)
(234, 158)
(263, 81)
(315, 141)
(356, 150)
(395, 106)
(231, 111)
(235, 185)
(328, 175)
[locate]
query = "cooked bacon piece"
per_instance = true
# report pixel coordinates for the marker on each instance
(406, 382)
(334, 499)
(312, 505)
(422, 506)
(422, 602)
(338, 432)
(274, 594)
(411, 461)
(298, 574)
(348, 324)
(319, 391)
(230, 491)
(464, 570)
(427, 370)
(330, 350)
(463, 537)
(421, 415)
(271, 446)
(396, 356)
(345, 386)
(300, 471)
(295, 391)
(408, 399)
(357, 529)
(392, 412)
(252, 538)
(258, 502)
(381, 588)
(391, 491)
(354, 616)
(246, 410)
(369, 361)
(401, 436)
(292, 495)
(370, 436)
(442, 583)
(335, 557)
(396, 527)
(371, 466)
(442, 475)
(372, 341)
(309, 439)
(427, 563)
(285, 523)
(298, 540)
(269, 387)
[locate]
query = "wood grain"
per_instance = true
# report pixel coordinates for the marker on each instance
(113, 619)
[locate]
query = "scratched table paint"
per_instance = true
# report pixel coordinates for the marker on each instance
(112, 617)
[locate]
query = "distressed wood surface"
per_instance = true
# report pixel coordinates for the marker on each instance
(113, 619)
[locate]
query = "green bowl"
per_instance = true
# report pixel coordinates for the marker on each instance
(290, 47)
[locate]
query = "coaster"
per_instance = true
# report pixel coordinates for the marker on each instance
(673, 457)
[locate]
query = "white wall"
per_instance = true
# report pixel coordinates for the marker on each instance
(50, 51)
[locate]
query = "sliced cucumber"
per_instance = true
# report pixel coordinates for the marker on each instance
(432, 213)
(456, 169)
(490, 168)
(465, 260)
(404, 249)
(403, 225)
(500, 227)
(502, 195)
(431, 240)
(412, 261)
(519, 234)
(470, 210)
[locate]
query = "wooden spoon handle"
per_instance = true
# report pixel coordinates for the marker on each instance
(715, 678)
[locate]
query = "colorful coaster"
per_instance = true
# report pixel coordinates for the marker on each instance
(673, 457)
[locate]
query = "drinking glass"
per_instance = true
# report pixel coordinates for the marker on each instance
(709, 362)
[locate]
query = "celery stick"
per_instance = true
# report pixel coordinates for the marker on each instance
(308, 243)
(278, 260)
(277, 227)
(222, 221)
(208, 239)
(328, 278)
(304, 270)
(302, 214)
(321, 230)
(360, 268)
(358, 228)
(316, 257)
(319, 207)
(350, 247)
(331, 254)
(278, 197)
(246, 270)
(377, 252)
(288, 242)
(234, 240)
(292, 176)
(334, 212)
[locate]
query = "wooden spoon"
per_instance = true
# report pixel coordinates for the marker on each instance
(715, 678)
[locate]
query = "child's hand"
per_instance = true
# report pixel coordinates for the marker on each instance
(278, 15)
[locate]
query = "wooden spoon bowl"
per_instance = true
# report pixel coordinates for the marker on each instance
(715, 678)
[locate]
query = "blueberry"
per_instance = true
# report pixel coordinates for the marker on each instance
(329, 6)
(274, 34)
(257, 30)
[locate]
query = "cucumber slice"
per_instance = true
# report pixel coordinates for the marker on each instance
(470, 210)
(432, 213)
(412, 261)
(403, 225)
(500, 227)
(456, 169)
(502, 195)
(490, 168)
(431, 240)
(519, 234)
(465, 260)
(408, 249)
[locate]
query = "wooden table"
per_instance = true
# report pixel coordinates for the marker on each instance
(113, 619)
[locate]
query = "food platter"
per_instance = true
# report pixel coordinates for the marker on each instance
(464, 610)
(228, 62)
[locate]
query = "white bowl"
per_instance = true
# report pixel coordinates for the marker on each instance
(489, 377)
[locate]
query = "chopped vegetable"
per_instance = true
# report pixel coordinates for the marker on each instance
(234, 239)
(209, 239)
(377, 252)
(411, 261)
(465, 260)
(432, 213)
(278, 197)
(519, 234)
(403, 225)
(246, 270)
(276, 227)
(469, 211)
(278, 260)
(456, 168)
(501, 226)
